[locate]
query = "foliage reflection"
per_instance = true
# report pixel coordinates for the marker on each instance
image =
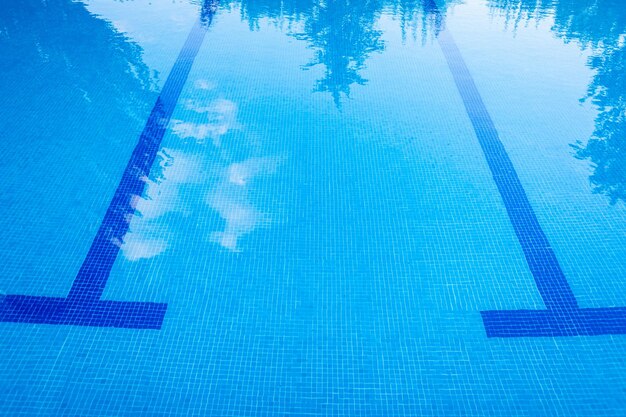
(601, 26)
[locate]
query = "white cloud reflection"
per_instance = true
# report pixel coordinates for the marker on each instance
(233, 184)
(202, 84)
(161, 197)
(231, 200)
(136, 247)
(220, 117)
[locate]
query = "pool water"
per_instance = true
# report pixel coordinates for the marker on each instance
(313, 208)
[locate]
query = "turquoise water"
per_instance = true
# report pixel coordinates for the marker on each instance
(303, 208)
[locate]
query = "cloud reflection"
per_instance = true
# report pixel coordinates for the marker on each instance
(136, 247)
(231, 200)
(219, 118)
(233, 184)
(145, 237)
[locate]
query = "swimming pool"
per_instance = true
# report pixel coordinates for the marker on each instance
(302, 208)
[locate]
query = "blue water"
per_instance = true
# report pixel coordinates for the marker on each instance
(306, 208)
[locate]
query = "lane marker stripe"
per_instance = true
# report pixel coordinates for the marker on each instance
(93, 274)
(83, 306)
(562, 316)
(542, 261)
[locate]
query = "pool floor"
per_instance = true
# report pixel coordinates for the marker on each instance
(313, 208)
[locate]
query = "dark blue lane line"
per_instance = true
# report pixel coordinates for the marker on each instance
(562, 316)
(542, 261)
(83, 305)
(92, 277)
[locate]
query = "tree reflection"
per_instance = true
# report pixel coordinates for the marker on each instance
(208, 8)
(76, 85)
(607, 146)
(75, 95)
(77, 53)
(601, 26)
(343, 36)
(343, 33)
